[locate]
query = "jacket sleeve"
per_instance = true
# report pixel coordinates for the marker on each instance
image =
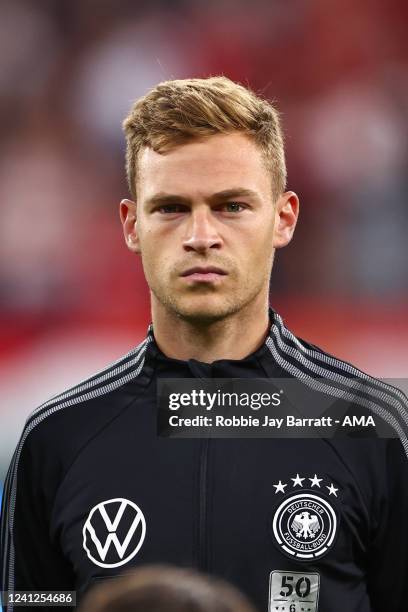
(30, 561)
(388, 560)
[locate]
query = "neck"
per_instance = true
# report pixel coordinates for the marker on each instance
(233, 337)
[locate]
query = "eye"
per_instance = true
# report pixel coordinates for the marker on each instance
(234, 207)
(166, 209)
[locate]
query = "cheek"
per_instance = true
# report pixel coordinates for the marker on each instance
(262, 243)
(154, 259)
(149, 256)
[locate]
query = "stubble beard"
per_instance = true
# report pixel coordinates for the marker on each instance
(212, 310)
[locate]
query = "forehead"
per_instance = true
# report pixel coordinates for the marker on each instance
(204, 166)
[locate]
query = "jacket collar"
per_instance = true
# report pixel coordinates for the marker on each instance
(260, 363)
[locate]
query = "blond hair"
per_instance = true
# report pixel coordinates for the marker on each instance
(180, 111)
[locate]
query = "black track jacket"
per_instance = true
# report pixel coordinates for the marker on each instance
(92, 491)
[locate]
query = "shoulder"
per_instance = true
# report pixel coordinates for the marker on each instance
(298, 355)
(60, 428)
(82, 407)
(329, 374)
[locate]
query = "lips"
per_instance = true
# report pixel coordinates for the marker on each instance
(203, 275)
(203, 270)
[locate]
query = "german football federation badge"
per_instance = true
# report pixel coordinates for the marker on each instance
(305, 521)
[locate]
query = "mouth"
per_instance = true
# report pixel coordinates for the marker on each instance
(203, 274)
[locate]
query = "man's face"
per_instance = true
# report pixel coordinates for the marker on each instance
(206, 226)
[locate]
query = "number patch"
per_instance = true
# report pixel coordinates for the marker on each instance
(293, 591)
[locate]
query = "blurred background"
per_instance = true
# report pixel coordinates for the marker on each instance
(72, 298)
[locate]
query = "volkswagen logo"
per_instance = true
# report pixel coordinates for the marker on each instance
(114, 532)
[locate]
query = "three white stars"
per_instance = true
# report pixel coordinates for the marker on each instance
(298, 482)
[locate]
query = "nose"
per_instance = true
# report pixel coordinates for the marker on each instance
(201, 233)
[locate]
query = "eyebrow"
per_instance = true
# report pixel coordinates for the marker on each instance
(168, 198)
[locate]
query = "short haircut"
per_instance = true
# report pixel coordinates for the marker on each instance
(181, 111)
(164, 588)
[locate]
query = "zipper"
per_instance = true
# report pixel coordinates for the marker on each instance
(203, 506)
(202, 371)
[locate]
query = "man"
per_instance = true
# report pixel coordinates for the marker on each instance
(92, 491)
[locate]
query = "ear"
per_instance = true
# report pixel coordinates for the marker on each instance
(286, 216)
(128, 217)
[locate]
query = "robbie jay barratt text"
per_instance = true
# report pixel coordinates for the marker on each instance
(250, 421)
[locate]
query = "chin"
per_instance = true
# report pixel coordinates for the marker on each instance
(204, 312)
